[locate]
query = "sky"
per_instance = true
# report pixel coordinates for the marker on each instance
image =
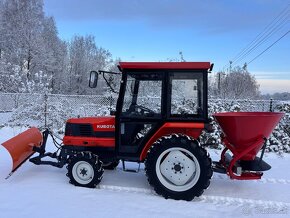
(203, 30)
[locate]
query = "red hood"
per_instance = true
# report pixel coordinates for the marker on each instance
(98, 123)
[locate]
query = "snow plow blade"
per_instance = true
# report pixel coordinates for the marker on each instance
(21, 146)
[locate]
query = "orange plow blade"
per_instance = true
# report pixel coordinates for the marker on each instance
(21, 146)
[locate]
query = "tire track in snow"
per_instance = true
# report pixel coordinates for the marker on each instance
(245, 203)
(263, 180)
(274, 181)
(126, 189)
(217, 200)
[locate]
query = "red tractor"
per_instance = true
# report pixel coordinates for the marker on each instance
(161, 111)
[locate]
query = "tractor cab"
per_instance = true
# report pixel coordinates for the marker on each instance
(156, 94)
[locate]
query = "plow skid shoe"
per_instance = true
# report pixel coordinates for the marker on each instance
(21, 146)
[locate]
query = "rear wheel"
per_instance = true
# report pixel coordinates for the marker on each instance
(85, 169)
(178, 167)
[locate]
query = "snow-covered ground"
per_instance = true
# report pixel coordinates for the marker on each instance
(44, 191)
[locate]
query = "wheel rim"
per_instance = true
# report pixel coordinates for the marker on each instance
(177, 169)
(83, 172)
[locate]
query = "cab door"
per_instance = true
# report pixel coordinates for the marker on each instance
(140, 111)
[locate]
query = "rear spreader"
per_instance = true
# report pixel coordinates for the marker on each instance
(161, 111)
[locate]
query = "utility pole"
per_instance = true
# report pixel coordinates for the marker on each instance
(219, 82)
(219, 74)
(245, 67)
(231, 66)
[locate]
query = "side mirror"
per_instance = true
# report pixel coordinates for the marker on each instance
(93, 82)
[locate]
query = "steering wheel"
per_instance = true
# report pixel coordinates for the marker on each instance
(143, 110)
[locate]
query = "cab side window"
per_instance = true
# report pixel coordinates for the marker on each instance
(143, 96)
(186, 94)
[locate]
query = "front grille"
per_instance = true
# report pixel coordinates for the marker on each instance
(74, 129)
(85, 130)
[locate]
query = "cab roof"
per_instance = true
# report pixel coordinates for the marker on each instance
(164, 66)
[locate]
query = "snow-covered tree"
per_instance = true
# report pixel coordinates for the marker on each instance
(21, 30)
(30, 49)
(236, 84)
(84, 56)
(55, 55)
(14, 80)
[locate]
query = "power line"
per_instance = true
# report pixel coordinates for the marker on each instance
(265, 38)
(277, 23)
(265, 30)
(268, 47)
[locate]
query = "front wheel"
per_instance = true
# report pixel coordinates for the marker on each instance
(178, 167)
(85, 169)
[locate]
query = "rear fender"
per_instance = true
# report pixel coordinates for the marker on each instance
(191, 129)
